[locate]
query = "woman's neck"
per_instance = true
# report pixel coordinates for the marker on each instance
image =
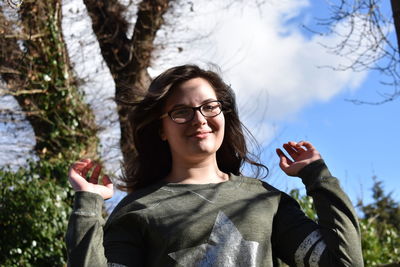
(200, 172)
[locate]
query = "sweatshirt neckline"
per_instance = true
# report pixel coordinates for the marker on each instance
(178, 186)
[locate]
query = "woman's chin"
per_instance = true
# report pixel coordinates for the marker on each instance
(203, 149)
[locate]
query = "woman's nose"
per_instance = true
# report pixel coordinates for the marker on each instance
(198, 118)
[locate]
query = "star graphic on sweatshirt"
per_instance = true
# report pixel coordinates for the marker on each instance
(226, 247)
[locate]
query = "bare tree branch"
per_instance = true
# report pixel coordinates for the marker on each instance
(365, 30)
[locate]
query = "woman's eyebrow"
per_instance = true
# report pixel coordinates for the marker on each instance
(179, 106)
(209, 100)
(185, 106)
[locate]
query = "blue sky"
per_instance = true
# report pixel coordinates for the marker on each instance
(357, 141)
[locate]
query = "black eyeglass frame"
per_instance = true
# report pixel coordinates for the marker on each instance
(194, 111)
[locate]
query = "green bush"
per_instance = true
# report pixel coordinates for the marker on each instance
(34, 210)
(306, 203)
(380, 242)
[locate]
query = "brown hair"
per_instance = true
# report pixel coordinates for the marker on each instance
(152, 160)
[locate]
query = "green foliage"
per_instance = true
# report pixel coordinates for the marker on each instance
(384, 208)
(306, 203)
(35, 202)
(34, 211)
(380, 227)
(380, 242)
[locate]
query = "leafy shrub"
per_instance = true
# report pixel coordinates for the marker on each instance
(380, 242)
(34, 210)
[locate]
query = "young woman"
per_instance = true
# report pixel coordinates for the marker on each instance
(189, 205)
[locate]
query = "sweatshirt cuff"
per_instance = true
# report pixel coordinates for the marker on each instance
(314, 173)
(88, 204)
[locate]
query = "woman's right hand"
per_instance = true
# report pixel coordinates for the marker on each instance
(77, 178)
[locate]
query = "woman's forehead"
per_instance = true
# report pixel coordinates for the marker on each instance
(192, 92)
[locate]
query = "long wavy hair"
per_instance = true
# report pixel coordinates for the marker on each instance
(152, 160)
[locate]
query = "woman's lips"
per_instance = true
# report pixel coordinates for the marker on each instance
(201, 135)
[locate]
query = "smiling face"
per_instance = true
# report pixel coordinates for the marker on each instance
(201, 137)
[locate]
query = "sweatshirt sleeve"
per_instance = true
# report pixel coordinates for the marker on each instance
(334, 240)
(88, 245)
(84, 237)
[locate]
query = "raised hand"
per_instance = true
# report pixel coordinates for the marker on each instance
(77, 178)
(301, 153)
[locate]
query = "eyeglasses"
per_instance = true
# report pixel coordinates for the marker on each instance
(186, 114)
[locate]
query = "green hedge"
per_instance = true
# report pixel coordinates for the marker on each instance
(34, 210)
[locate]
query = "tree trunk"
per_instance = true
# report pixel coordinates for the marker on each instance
(35, 66)
(396, 19)
(127, 58)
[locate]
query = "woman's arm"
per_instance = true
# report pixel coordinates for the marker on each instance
(84, 238)
(335, 240)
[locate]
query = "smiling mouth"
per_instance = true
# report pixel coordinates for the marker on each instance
(200, 135)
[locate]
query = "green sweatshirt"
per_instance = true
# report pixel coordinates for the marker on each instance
(241, 222)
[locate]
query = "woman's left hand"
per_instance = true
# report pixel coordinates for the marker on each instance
(301, 153)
